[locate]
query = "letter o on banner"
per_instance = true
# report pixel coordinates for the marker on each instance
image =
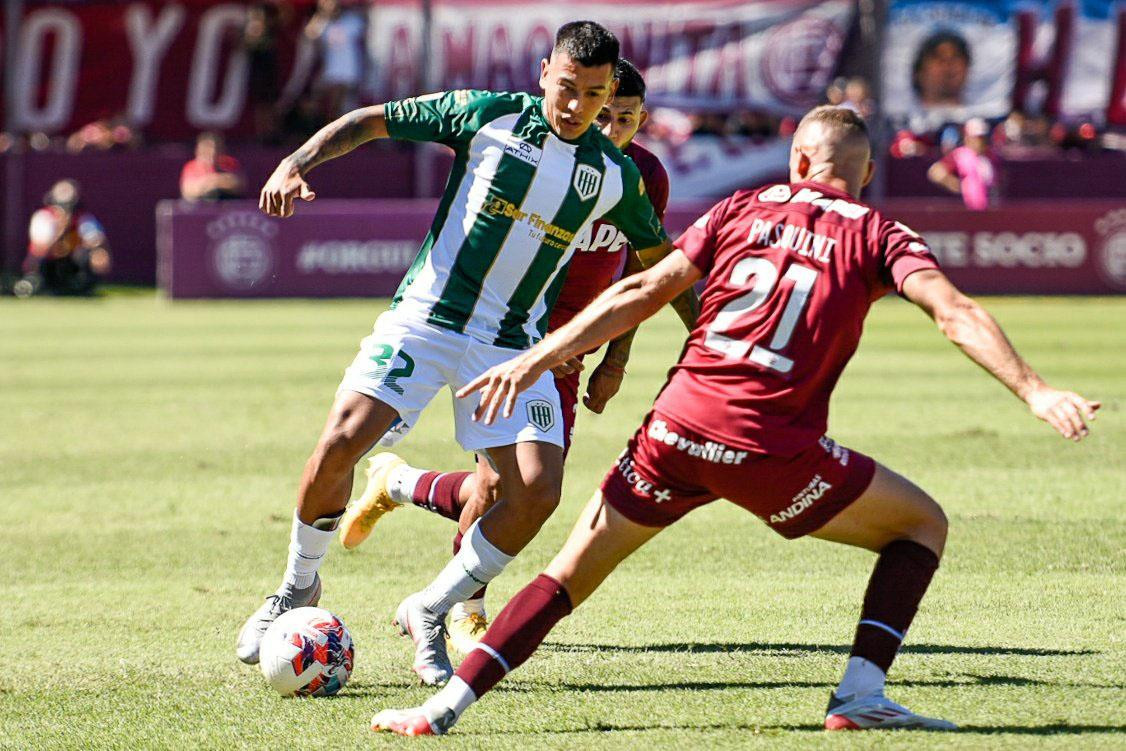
(215, 97)
(62, 70)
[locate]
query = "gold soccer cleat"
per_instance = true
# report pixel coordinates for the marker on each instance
(466, 632)
(363, 512)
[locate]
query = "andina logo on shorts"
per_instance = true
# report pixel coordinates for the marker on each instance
(803, 500)
(709, 451)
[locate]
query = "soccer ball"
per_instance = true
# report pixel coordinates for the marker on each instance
(306, 652)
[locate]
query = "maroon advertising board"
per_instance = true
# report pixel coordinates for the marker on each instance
(363, 248)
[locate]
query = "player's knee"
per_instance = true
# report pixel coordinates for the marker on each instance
(929, 526)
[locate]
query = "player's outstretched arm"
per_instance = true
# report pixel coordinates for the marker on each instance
(970, 326)
(618, 309)
(333, 140)
(687, 303)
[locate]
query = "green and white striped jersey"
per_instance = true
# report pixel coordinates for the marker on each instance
(518, 195)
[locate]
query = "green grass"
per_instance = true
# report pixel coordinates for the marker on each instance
(149, 454)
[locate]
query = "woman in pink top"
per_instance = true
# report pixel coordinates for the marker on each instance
(968, 169)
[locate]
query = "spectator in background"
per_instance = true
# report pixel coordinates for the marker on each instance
(969, 169)
(67, 253)
(212, 175)
(857, 96)
(260, 41)
(340, 36)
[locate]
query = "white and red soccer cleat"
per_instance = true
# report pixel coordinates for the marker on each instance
(877, 712)
(412, 722)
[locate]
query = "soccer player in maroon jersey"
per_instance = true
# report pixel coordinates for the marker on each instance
(596, 264)
(791, 272)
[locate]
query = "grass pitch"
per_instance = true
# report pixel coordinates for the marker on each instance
(148, 458)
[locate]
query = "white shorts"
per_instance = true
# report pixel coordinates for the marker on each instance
(404, 363)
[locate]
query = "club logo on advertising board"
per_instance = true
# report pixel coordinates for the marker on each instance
(1111, 227)
(241, 251)
(799, 59)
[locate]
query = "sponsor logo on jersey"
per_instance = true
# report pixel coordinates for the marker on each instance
(709, 451)
(640, 484)
(541, 414)
(546, 232)
(587, 181)
(523, 151)
(783, 194)
(600, 236)
(803, 500)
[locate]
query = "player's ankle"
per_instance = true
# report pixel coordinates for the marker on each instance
(455, 697)
(401, 483)
(473, 606)
(862, 678)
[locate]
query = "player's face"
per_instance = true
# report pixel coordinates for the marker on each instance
(620, 119)
(574, 94)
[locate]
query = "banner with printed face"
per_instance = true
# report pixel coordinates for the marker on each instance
(775, 55)
(948, 60)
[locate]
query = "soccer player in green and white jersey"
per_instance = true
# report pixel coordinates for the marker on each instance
(529, 175)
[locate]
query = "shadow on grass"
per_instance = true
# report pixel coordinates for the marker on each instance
(1054, 729)
(767, 647)
(960, 682)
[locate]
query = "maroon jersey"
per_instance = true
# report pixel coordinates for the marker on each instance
(792, 271)
(598, 257)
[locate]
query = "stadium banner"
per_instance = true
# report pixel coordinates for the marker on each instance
(362, 248)
(775, 56)
(170, 69)
(1063, 57)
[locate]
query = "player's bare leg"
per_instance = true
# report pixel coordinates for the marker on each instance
(908, 529)
(531, 476)
(601, 539)
(354, 424)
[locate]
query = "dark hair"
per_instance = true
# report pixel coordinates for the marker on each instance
(587, 43)
(630, 82)
(930, 46)
(843, 119)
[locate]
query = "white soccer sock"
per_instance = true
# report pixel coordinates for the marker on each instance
(307, 548)
(402, 481)
(462, 610)
(477, 564)
(862, 678)
(456, 695)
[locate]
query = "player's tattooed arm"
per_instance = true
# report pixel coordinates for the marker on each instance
(687, 303)
(606, 379)
(335, 139)
(980, 337)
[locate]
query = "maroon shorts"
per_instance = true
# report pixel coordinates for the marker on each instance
(568, 387)
(667, 470)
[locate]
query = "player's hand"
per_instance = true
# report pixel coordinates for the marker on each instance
(283, 186)
(1065, 411)
(499, 387)
(603, 385)
(567, 367)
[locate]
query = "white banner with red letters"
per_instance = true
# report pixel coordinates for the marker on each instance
(773, 55)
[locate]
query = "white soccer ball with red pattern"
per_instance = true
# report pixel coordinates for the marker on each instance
(306, 652)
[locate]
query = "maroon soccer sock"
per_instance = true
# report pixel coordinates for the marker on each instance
(899, 581)
(457, 548)
(515, 634)
(440, 492)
